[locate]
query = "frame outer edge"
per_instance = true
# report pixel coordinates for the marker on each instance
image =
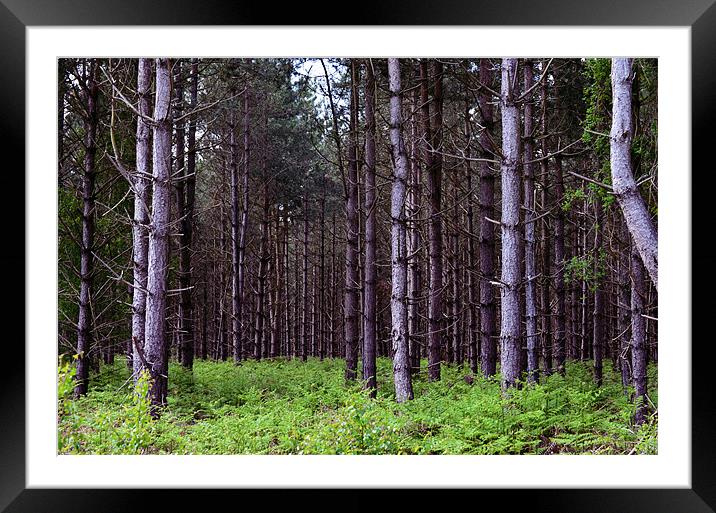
(703, 86)
(12, 176)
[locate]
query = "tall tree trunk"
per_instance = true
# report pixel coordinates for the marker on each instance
(61, 95)
(530, 248)
(288, 335)
(185, 188)
(598, 340)
(486, 202)
(352, 291)
(399, 263)
(205, 324)
(546, 246)
(322, 279)
(297, 312)
(638, 336)
(432, 130)
(456, 330)
(265, 257)
(574, 299)
(187, 227)
(140, 223)
(637, 217)
(304, 292)
(239, 253)
(314, 332)
(510, 323)
(334, 292)
(180, 196)
(624, 310)
(85, 320)
(235, 235)
(158, 253)
(471, 269)
(560, 339)
(415, 281)
(275, 294)
(586, 352)
(369, 305)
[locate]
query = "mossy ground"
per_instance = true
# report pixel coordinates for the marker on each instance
(292, 407)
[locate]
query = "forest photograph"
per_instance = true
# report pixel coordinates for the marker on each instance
(388, 256)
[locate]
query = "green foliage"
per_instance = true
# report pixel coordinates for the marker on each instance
(108, 420)
(291, 407)
(597, 123)
(571, 196)
(598, 99)
(584, 268)
(65, 384)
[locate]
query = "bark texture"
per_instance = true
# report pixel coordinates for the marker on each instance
(353, 285)
(637, 217)
(140, 223)
(598, 334)
(510, 323)
(399, 263)
(530, 243)
(560, 335)
(415, 244)
(369, 276)
(235, 234)
(638, 337)
(433, 137)
(158, 254)
(486, 202)
(89, 173)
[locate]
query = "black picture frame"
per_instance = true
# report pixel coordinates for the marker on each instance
(16, 15)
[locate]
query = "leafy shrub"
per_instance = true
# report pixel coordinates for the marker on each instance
(291, 407)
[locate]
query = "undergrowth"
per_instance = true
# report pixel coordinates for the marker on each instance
(292, 407)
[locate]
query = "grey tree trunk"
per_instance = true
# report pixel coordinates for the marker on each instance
(304, 294)
(140, 223)
(235, 235)
(486, 208)
(85, 321)
(238, 246)
(334, 292)
(546, 247)
(510, 322)
(415, 243)
(276, 317)
(471, 268)
(530, 245)
(321, 278)
(289, 339)
(598, 334)
(188, 226)
(455, 272)
(624, 309)
(399, 262)
(353, 285)
(238, 301)
(180, 198)
(560, 335)
(264, 259)
(369, 276)
(637, 216)
(158, 253)
(638, 336)
(186, 166)
(313, 310)
(432, 129)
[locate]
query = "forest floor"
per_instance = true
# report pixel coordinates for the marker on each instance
(293, 407)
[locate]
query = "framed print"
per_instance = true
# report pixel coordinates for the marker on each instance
(318, 224)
